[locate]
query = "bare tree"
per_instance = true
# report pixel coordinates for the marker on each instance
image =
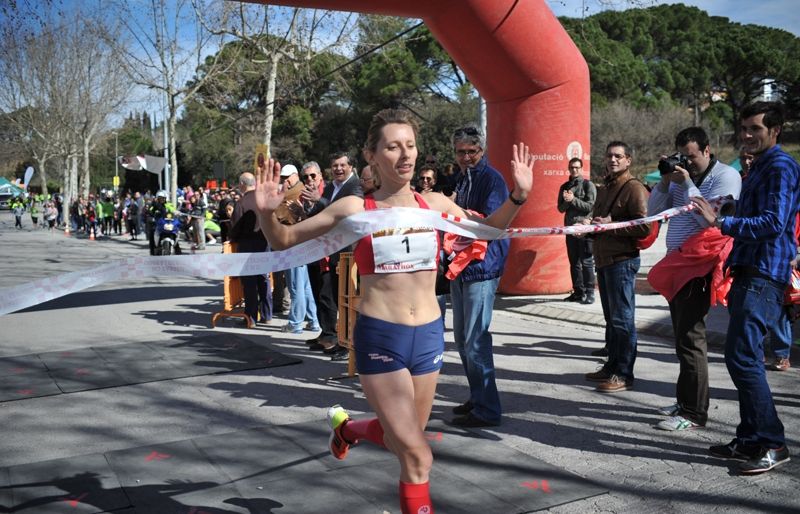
(649, 131)
(26, 69)
(279, 34)
(162, 45)
(56, 81)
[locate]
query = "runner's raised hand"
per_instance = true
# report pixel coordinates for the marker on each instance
(268, 191)
(522, 170)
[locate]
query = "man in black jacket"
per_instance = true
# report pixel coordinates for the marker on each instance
(246, 233)
(324, 281)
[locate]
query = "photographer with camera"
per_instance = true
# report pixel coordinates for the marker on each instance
(692, 171)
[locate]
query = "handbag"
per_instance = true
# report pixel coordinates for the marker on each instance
(792, 294)
(647, 241)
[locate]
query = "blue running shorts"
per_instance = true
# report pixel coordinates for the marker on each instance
(383, 347)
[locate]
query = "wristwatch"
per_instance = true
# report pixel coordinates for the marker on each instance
(718, 221)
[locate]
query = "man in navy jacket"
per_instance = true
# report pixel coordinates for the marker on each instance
(480, 188)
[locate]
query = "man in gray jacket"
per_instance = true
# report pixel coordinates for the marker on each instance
(576, 199)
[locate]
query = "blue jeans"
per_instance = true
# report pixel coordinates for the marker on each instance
(754, 305)
(780, 336)
(303, 304)
(472, 314)
(617, 296)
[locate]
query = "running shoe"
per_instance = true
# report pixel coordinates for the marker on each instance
(676, 423)
(765, 460)
(670, 410)
(733, 450)
(337, 417)
(780, 364)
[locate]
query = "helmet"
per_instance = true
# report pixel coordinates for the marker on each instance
(161, 194)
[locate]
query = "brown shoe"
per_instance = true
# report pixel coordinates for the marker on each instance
(601, 375)
(780, 365)
(614, 385)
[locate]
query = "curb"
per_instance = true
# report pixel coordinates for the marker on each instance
(533, 306)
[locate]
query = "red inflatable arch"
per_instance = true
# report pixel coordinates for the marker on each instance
(536, 86)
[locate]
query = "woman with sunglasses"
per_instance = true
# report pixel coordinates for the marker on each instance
(398, 314)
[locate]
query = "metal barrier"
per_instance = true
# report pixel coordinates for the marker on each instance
(233, 300)
(349, 296)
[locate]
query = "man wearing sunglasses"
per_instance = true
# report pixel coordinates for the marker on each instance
(427, 180)
(482, 189)
(314, 185)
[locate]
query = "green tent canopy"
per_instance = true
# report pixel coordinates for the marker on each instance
(7, 187)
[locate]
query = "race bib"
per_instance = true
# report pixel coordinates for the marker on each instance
(404, 249)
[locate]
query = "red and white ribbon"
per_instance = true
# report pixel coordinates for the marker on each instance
(347, 232)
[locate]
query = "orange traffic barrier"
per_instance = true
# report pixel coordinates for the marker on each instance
(349, 296)
(233, 296)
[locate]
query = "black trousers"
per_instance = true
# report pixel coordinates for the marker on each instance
(280, 293)
(581, 265)
(257, 297)
(689, 309)
(256, 288)
(325, 286)
(151, 236)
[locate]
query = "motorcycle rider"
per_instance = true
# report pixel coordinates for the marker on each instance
(168, 226)
(157, 210)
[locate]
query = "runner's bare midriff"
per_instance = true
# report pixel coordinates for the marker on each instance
(404, 298)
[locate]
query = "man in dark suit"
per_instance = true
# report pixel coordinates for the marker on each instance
(246, 233)
(324, 281)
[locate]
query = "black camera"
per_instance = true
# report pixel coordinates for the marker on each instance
(667, 165)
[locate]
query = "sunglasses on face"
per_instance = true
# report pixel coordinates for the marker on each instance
(310, 176)
(426, 179)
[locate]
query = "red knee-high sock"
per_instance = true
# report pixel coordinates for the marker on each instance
(370, 429)
(415, 498)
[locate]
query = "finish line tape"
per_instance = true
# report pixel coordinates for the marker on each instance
(347, 232)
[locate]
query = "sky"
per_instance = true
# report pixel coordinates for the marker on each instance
(782, 14)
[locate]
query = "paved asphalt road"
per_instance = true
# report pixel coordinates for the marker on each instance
(541, 351)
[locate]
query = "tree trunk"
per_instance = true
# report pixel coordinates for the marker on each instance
(85, 176)
(269, 111)
(43, 174)
(173, 156)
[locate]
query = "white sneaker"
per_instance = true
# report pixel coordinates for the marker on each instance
(676, 423)
(670, 410)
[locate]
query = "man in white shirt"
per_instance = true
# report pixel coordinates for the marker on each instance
(703, 176)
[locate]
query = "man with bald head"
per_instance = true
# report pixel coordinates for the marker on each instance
(246, 233)
(368, 183)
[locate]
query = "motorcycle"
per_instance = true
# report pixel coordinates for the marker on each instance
(167, 231)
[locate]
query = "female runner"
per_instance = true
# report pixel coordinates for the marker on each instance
(398, 337)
